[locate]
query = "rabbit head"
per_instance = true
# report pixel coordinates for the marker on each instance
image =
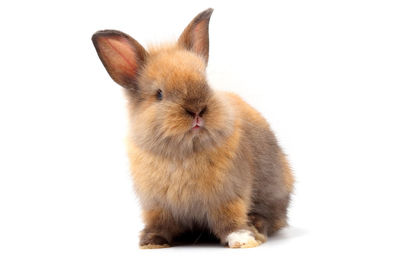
(173, 109)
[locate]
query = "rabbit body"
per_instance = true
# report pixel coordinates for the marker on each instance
(199, 158)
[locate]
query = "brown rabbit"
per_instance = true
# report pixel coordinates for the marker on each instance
(200, 159)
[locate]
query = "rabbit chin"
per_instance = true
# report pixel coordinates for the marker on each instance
(183, 144)
(197, 140)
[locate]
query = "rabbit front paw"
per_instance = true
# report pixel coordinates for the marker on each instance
(242, 239)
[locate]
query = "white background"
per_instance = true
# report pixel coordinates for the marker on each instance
(324, 73)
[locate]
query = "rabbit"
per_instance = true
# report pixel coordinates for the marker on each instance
(200, 159)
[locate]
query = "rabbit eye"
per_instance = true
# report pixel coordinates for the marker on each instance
(159, 94)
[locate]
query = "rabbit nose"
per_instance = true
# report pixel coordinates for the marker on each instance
(195, 114)
(201, 113)
(191, 113)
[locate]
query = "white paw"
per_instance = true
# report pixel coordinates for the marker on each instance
(242, 239)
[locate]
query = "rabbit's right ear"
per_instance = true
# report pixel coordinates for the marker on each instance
(121, 55)
(195, 36)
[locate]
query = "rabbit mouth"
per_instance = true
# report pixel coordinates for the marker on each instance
(196, 128)
(197, 123)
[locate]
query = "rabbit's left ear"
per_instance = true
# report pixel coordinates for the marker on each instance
(195, 35)
(121, 55)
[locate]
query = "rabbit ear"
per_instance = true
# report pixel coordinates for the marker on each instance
(195, 35)
(120, 54)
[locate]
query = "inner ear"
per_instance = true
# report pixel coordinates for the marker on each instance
(121, 55)
(195, 37)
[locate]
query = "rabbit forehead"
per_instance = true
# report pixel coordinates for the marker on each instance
(176, 70)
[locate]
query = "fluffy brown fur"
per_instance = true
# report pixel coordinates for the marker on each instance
(226, 176)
